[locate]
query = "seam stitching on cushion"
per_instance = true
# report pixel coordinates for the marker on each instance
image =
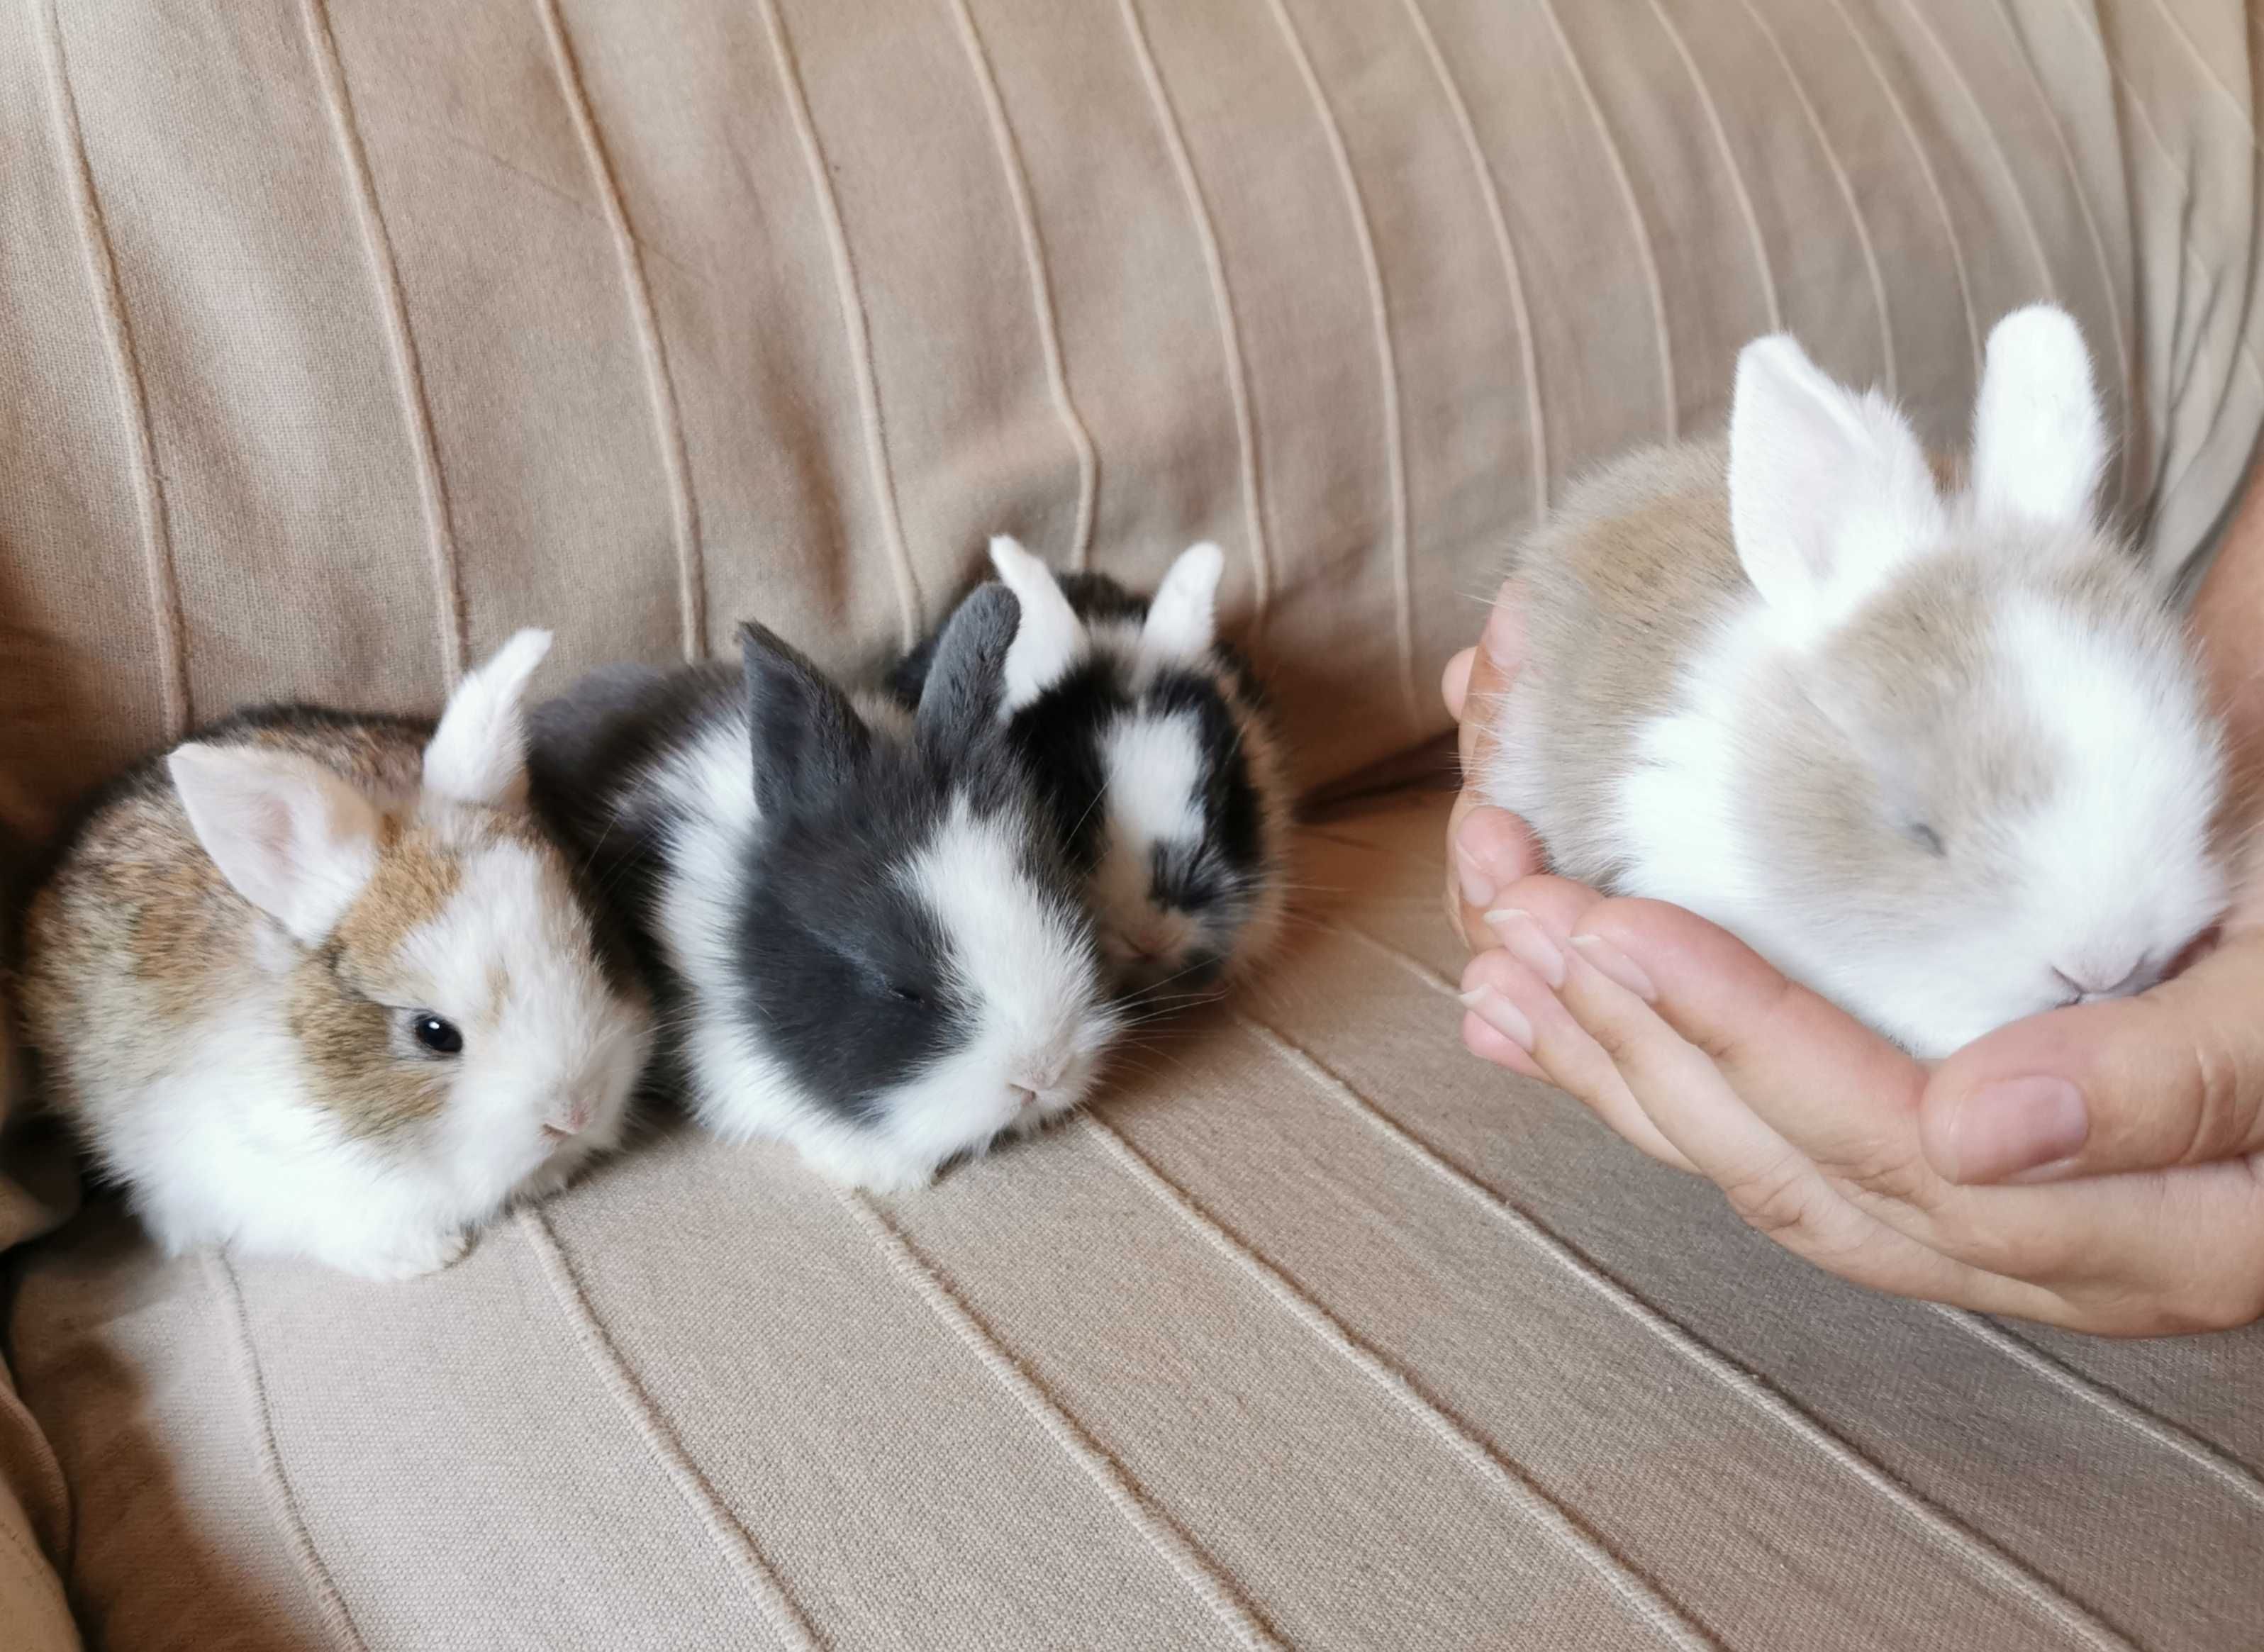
(2246, 351)
(1635, 1591)
(2004, 159)
(737, 1546)
(659, 381)
(1041, 293)
(1924, 170)
(1941, 1527)
(2201, 61)
(1394, 442)
(2218, 1464)
(393, 309)
(1847, 190)
(330, 1604)
(1178, 1550)
(850, 296)
(168, 618)
(1644, 248)
(1490, 192)
(1713, 108)
(1246, 430)
(2131, 449)
(1435, 979)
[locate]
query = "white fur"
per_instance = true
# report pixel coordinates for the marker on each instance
(478, 753)
(288, 835)
(1182, 620)
(1830, 492)
(2118, 872)
(2039, 436)
(1153, 770)
(1017, 955)
(1049, 637)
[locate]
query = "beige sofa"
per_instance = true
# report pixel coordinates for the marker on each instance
(338, 338)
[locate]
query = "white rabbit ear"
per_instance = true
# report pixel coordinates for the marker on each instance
(1183, 620)
(2039, 435)
(1048, 637)
(289, 836)
(1830, 491)
(478, 754)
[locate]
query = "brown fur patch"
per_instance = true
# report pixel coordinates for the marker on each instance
(135, 937)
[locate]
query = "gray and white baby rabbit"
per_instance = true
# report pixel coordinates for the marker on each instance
(864, 935)
(315, 983)
(1154, 749)
(1945, 759)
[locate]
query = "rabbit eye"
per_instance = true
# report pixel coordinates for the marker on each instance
(1925, 837)
(906, 995)
(436, 1035)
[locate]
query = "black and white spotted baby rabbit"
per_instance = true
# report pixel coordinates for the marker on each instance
(1152, 744)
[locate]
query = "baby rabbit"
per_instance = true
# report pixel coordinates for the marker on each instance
(317, 984)
(1946, 760)
(1153, 746)
(867, 941)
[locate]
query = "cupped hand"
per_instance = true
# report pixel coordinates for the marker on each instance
(2100, 1167)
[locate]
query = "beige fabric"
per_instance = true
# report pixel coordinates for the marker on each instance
(1321, 1331)
(342, 337)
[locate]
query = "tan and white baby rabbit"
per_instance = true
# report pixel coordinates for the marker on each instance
(315, 983)
(1944, 758)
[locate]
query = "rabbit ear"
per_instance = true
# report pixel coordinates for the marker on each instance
(1183, 620)
(960, 700)
(1049, 636)
(2039, 436)
(809, 743)
(289, 836)
(478, 754)
(1830, 491)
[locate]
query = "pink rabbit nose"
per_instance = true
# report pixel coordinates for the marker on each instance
(1024, 1098)
(560, 1126)
(2136, 979)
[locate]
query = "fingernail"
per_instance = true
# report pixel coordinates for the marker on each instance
(1525, 941)
(1504, 636)
(1611, 961)
(1478, 889)
(2018, 1125)
(1501, 1014)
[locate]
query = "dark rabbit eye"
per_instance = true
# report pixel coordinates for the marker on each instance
(1925, 837)
(907, 995)
(438, 1036)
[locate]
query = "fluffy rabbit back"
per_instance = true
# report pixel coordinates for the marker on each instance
(316, 983)
(1945, 759)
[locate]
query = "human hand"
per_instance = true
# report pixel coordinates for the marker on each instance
(2147, 1114)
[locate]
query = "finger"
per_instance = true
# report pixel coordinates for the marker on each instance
(2174, 1077)
(1488, 1043)
(1842, 1094)
(1491, 850)
(1767, 1180)
(1514, 1002)
(1455, 682)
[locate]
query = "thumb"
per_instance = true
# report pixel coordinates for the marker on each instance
(2174, 1076)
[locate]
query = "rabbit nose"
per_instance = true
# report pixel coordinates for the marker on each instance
(1024, 1098)
(567, 1122)
(2137, 978)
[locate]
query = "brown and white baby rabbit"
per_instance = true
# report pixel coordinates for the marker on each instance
(1945, 759)
(315, 983)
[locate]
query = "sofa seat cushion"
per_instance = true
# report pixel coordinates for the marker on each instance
(1315, 1332)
